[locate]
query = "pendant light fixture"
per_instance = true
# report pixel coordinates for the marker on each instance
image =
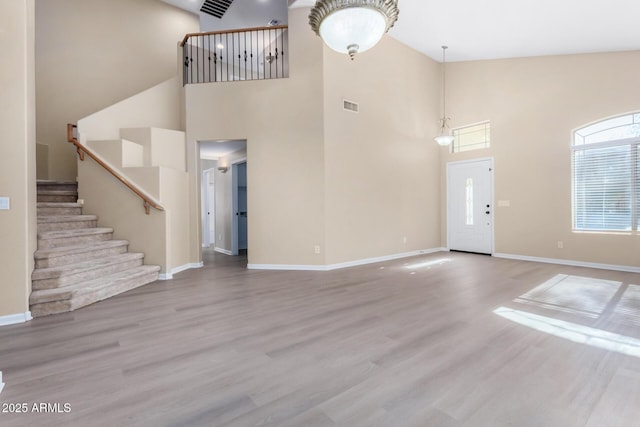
(444, 138)
(353, 26)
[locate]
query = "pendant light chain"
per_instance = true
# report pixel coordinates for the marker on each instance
(444, 86)
(444, 138)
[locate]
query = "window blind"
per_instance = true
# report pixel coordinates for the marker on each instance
(606, 188)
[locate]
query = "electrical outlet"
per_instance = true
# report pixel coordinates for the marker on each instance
(560, 244)
(404, 239)
(220, 237)
(80, 202)
(316, 249)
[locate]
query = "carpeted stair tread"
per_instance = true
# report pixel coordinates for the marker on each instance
(57, 192)
(58, 205)
(66, 218)
(112, 283)
(74, 233)
(81, 267)
(73, 250)
(65, 255)
(58, 208)
(54, 182)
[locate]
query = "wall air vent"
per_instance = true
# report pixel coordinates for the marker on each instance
(216, 8)
(350, 106)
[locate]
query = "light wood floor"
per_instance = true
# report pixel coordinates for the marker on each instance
(413, 342)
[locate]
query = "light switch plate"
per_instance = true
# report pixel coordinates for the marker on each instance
(5, 204)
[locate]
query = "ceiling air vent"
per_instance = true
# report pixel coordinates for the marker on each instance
(215, 8)
(350, 106)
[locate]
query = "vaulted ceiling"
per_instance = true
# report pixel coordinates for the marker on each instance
(486, 29)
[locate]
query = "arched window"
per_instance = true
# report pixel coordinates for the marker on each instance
(606, 175)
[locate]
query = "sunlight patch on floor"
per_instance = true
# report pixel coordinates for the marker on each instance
(585, 296)
(428, 264)
(573, 331)
(628, 309)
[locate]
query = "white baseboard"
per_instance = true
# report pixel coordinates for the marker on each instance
(571, 263)
(169, 275)
(347, 264)
(15, 318)
(287, 267)
(222, 251)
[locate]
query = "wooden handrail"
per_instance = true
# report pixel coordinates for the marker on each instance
(242, 30)
(81, 150)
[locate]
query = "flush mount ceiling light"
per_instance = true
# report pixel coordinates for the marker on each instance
(353, 26)
(444, 138)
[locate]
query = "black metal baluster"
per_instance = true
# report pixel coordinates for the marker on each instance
(284, 64)
(270, 57)
(184, 65)
(221, 59)
(245, 55)
(215, 60)
(251, 49)
(276, 60)
(239, 58)
(209, 56)
(191, 61)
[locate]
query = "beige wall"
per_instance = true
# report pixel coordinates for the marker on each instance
(18, 159)
(282, 123)
(381, 165)
(91, 54)
(42, 161)
(356, 185)
(162, 235)
(534, 104)
(156, 107)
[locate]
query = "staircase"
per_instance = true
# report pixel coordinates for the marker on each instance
(78, 263)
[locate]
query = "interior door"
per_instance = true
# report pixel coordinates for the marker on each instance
(242, 206)
(212, 211)
(206, 203)
(239, 230)
(470, 206)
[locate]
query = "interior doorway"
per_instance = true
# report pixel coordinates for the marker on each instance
(218, 180)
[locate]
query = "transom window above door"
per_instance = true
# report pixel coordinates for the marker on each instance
(471, 137)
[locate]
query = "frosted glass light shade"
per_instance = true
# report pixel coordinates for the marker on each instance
(354, 27)
(444, 139)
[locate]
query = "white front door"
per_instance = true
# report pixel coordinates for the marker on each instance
(470, 206)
